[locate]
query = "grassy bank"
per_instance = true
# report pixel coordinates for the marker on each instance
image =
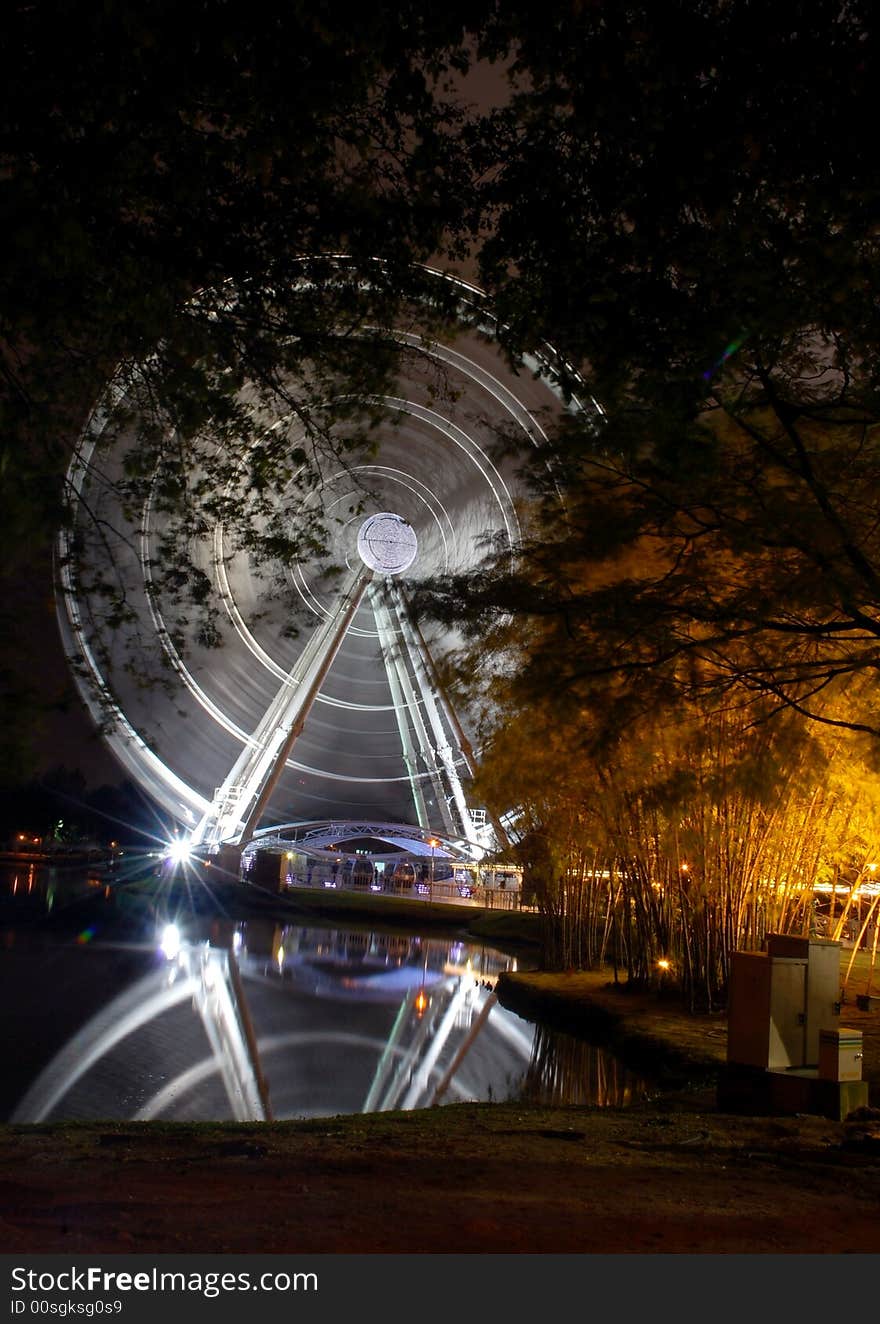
(228, 900)
(658, 1039)
(657, 1036)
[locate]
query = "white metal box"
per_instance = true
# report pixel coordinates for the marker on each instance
(840, 1054)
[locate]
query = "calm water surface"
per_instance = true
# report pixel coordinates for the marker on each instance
(216, 1020)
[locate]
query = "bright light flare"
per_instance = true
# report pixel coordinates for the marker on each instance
(178, 851)
(169, 943)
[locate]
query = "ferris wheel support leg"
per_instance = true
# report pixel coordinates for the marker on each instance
(388, 649)
(240, 802)
(333, 643)
(385, 1063)
(407, 1063)
(435, 683)
(220, 1003)
(414, 700)
(422, 1076)
(464, 1049)
(428, 690)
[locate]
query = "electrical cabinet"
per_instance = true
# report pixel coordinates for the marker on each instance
(822, 1001)
(765, 1014)
(840, 1054)
(781, 1000)
(786, 1051)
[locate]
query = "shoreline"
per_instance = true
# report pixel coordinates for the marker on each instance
(669, 1173)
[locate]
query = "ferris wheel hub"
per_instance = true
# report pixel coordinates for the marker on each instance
(387, 543)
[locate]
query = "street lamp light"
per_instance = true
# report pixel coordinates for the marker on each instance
(432, 843)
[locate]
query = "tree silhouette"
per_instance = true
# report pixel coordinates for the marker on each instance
(172, 179)
(685, 205)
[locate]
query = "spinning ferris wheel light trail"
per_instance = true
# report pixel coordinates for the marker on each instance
(346, 721)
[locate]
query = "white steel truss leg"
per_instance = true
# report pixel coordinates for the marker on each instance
(443, 747)
(422, 1075)
(464, 1048)
(435, 686)
(233, 1049)
(386, 1061)
(406, 1064)
(410, 723)
(239, 803)
(204, 975)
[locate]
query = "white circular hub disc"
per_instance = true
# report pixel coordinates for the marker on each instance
(387, 543)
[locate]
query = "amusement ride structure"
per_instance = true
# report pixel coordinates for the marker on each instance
(341, 732)
(320, 736)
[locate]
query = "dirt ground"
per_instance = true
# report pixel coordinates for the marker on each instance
(467, 1178)
(671, 1174)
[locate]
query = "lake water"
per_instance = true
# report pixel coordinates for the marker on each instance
(130, 1016)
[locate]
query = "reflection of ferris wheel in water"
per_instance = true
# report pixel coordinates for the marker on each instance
(348, 721)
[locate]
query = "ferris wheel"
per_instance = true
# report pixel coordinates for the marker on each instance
(344, 719)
